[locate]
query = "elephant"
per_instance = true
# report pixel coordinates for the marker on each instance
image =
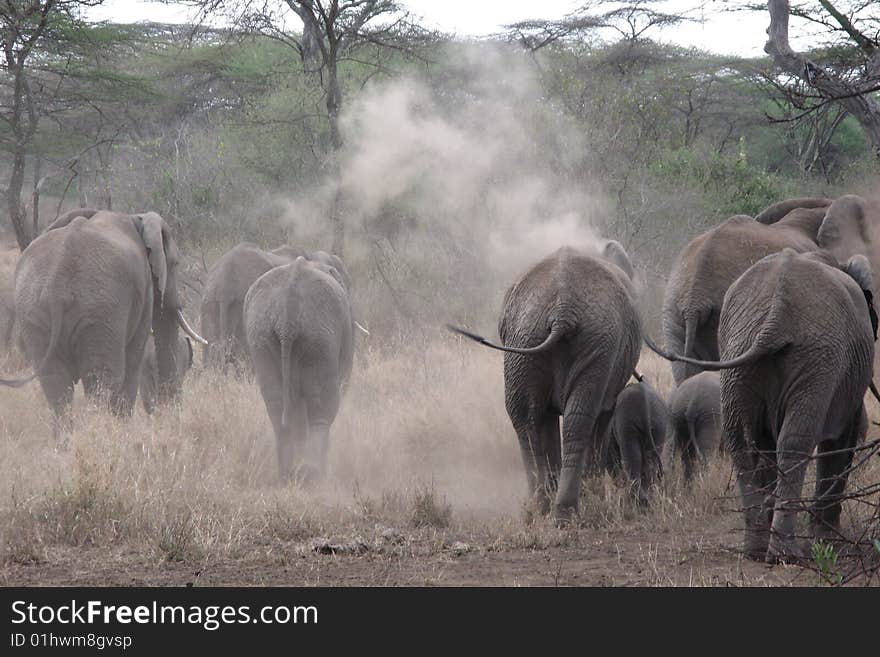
(87, 293)
(7, 315)
(570, 331)
(637, 433)
(695, 416)
(709, 264)
(797, 336)
(226, 286)
(149, 384)
(299, 332)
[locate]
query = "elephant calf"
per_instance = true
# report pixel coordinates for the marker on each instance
(695, 412)
(299, 332)
(149, 385)
(637, 434)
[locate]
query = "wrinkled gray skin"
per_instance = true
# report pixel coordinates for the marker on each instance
(87, 293)
(573, 321)
(149, 385)
(695, 417)
(637, 435)
(798, 347)
(7, 315)
(223, 297)
(709, 264)
(299, 331)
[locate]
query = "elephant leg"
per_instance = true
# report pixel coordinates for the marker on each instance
(549, 457)
(756, 476)
(632, 462)
(530, 450)
(268, 369)
(123, 401)
(793, 452)
(583, 422)
(57, 384)
(832, 470)
(321, 390)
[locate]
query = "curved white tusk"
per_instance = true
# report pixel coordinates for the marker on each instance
(365, 331)
(189, 329)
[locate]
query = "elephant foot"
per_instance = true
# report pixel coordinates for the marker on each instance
(565, 515)
(787, 551)
(822, 530)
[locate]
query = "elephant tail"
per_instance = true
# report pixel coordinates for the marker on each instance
(757, 351)
(556, 333)
(56, 317)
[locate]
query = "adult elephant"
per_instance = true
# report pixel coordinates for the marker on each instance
(227, 284)
(709, 264)
(299, 331)
(570, 331)
(797, 338)
(87, 293)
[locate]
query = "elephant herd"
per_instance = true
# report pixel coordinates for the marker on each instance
(768, 321)
(770, 326)
(96, 299)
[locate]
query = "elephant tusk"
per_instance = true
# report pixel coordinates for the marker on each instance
(189, 329)
(365, 331)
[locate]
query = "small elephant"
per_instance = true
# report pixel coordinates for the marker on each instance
(149, 385)
(637, 435)
(299, 331)
(695, 414)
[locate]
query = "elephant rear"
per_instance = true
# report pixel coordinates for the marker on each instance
(298, 328)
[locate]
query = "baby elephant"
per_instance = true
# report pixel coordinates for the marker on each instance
(695, 412)
(637, 433)
(298, 327)
(149, 385)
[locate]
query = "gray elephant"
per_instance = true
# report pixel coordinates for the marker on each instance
(7, 315)
(797, 342)
(637, 435)
(299, 331)
(571, 333)
(149, 385)
(706, 268)
(695, 416)
(87, 293)
(225, 288)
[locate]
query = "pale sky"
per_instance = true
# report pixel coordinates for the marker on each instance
(741, 33)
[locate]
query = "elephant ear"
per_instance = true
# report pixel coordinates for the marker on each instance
(859, 267)
(69, 216)
(615, 253)
(153, 234)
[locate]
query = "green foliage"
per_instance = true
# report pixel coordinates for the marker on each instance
(825, 558)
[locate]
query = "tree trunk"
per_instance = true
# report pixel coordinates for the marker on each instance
(862, 106)
(334, 103)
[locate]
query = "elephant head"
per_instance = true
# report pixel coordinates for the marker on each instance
(849, 228)
(614, 252)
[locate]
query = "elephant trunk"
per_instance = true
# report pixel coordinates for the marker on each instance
(165, 335)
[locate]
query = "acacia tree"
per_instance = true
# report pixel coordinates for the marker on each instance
(333, 32)
(849, 72)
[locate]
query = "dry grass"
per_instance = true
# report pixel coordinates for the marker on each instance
(424, 467)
